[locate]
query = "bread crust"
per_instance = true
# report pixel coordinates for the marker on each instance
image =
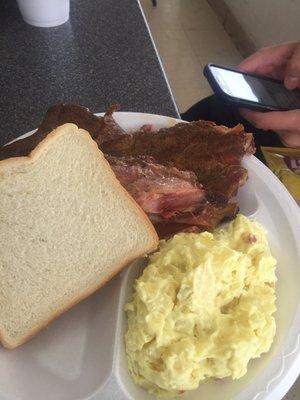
(32, 157)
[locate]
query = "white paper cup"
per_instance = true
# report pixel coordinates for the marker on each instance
(44, 13)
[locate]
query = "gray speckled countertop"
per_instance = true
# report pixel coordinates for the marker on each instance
(103, 54)
(294, 393)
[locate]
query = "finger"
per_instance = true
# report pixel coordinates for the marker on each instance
(292, 73)
(256, 63)
(290, 139)
(274, 120)
(269, 61)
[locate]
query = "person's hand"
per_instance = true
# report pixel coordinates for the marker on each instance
(285, 123)
(280, 62)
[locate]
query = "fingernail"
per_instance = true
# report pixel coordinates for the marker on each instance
(291, 82)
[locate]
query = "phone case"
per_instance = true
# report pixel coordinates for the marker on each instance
(240, 103)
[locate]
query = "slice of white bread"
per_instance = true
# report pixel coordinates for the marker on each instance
(66, 227)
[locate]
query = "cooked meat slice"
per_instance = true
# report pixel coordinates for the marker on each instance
(109, 130)
(224, 184)
(56, 115)
(200, 146)
(158, 189)
(173, 199)
(100, 128)
(146, 128)
(212, 152)
(206, 218)
(60, 114)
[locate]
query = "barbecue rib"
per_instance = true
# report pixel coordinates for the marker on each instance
(183, 176)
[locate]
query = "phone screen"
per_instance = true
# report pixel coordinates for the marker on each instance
(258, 90)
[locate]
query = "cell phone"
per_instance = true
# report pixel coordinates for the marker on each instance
(250, 90)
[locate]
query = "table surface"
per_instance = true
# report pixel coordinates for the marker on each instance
(102, 55)
(294, 393)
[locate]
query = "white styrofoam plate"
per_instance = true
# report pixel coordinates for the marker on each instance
(82, 356)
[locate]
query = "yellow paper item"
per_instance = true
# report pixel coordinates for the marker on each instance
(285, 163)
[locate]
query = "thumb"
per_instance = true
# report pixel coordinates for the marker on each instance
(273, 120)
(292, 72)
